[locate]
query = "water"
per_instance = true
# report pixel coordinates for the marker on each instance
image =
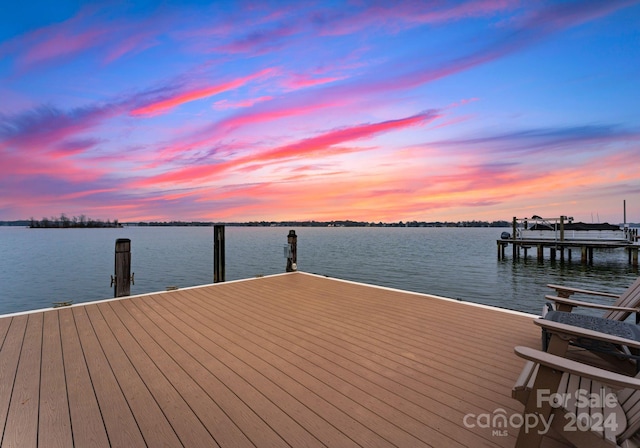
(42, 266)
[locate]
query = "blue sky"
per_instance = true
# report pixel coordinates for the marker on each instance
(378, 111)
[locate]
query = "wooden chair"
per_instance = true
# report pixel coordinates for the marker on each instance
(594, 407)
(610, 322)
(619, 352)
(614, 422)
(625, 304)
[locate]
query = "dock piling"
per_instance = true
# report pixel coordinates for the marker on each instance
(292, 259)
(218, 254)
(513, 235)
(122, 279)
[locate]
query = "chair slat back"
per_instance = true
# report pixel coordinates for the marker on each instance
(629, 298)
(630, 402)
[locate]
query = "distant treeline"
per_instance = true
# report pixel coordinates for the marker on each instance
(345, 223)
(76, 222)
(81, 221)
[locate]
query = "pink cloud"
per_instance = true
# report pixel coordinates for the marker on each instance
(39, 149)
(53, 167)
(130, 45)
(165, 104)
(226, 104)
(73, 147)
(303, 81)
(524, 32)
(57, 41)
(60, 45)
(320, 145)
(397, 16)
(46, 126)
(210, 135)
(258, 42)
(58, 150)
(565, 15)
(89, 29)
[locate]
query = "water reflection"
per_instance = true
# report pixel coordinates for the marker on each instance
(41, 266)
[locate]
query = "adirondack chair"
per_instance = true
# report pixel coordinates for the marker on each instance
(611, 419)
(626, 303)
(593, 407)
(607, 346)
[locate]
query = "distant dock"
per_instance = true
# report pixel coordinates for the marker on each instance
(561, 236)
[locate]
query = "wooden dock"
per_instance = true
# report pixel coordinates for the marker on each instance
(563, 235)
(585, 248)
(293, 360)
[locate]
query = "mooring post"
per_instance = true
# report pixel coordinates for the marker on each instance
(292, 259)
(514, 225)
(121, 282)
(218, 253)
(501, 249)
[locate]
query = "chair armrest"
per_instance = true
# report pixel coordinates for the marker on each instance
(572, 332)
(566, 291)
(577, 368)
(575, 303)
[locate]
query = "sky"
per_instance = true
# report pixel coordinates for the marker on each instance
(364, 110)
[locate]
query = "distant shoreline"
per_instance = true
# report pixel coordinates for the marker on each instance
(50, 224)
(347, 223)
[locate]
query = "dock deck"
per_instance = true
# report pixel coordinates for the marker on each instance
(293, 360)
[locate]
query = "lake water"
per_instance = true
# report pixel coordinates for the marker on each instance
(42, 266)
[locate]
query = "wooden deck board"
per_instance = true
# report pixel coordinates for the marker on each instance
(4, 329)
(154, 427)
(326, 377)
(341, 370)
(331, 346)
(119, 421)
(54, 422)
(282, 361)
(275, 404)
(404, 366)
(196, 398)
(9, 357)
(336, 409)
(86, 420)
(22, 421)
(184, 422)
(203, 370)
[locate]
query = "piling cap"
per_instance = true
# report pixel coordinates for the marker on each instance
(292, 233)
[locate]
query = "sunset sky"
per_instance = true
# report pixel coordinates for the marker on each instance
(363, 110)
